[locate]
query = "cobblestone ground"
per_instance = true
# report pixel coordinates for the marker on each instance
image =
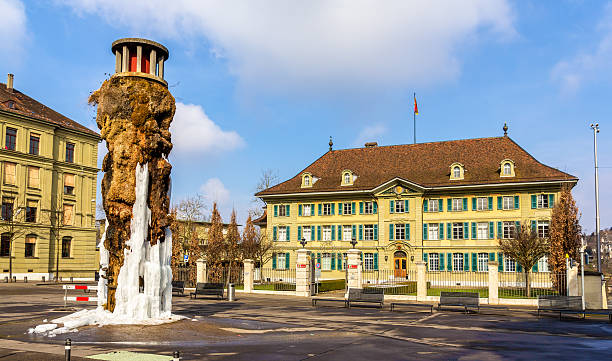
(271, 327)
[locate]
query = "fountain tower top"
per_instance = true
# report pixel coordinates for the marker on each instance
(140, 58)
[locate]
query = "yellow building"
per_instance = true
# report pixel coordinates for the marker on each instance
(48, 190)
(447, 203)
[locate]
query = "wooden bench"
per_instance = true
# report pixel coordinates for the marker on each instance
(366, 295)
(466, 300)
(178, 287)
(395, 304)
(208, 289)
(567, 305)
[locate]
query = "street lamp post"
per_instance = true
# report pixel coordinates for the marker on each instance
(595, 128)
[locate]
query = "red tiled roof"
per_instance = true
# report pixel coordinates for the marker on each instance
(24, 105)
(263, 220)
(425, 164)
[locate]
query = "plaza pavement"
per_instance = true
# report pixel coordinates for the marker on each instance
(272, 327)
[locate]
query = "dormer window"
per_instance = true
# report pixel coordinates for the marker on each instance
(456, 171)
(348, 178)
(307, 180)
(507, 168)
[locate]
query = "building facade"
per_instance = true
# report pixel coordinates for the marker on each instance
(447, 203)
(48, 191)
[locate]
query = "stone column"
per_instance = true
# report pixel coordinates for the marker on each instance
(573, 286)
(161, 68)
(139, 59)
(202, 276)
(493, 283)
(421, 280)
(302, 273)
(249, 268)
(353, 265)
(152, 61)
(117, 61)
(125, 59)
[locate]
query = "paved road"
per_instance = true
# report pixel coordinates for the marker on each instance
(264, 327)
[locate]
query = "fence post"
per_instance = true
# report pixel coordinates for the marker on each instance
(421, 281)
(302, 273)
(354, 268)
(202, 276)
(249, 267)
(573, 288)
(493, 283)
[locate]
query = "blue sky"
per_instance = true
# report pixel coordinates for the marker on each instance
(264, 84)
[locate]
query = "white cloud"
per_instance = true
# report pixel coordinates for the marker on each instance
(370, 133)
(214, 191)
(320, 44)
(12, 26)
(572, 73)
(194, 132)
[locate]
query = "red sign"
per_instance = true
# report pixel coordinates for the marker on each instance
(301, 266)
(353, 266)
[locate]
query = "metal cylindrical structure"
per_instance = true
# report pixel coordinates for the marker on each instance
(67, 348)
(176, 356)
(595, 131)
(231, 292)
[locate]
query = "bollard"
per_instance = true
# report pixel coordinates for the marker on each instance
(176, 356)
(15, 279)
(43, 279)
(25, 280)
(231, 292)
(71, 279)
(67, 348)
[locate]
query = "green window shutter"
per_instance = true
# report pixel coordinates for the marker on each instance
(340, 210)
(288, 233)
(519, 268)
(406, 205)
(534, 226)
(474, 235)
(312, 209)
(491, 230)
(333, 210)
(534, 201)
(490, 199)
(474, 203)
(354, 233)
(492, 256)
(318, 233)
(466, 230)
(465, 204)
(440, 205)
(466, 262)
(299, 210)
(375, 206)
(391, 235)
(299, 233)
(312, 233)
(517, 204)
(449, 261)
(425, 205)
(551, 201)
(449, 231)
(474, 262)
(274, 233)
(425, 231)
(361, 232)
(339, 233)
(339, 261)
(407, 227)
(276, 210)
(441, 231)
(499, 203)
(319, 258)
(391, 206)
(376, 261)
(320, 206)
(287, 257)
(274, 261)
(535, 267)
(376, 232)
(425, 257)
(499, 230)
(449, 204)
(287, 210)
(333, 261)
(360, 207)
(500, 259)
(441, 256)
(517, 226)
(333, 232)
(353, 208)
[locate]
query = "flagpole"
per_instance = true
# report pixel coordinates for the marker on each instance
(414, 120)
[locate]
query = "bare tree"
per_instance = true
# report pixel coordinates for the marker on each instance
(11, 228)
(526, 248)
(186, 215)
(254, 245)
(267, 179)
(57, 219)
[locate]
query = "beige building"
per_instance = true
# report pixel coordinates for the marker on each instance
(48, 189)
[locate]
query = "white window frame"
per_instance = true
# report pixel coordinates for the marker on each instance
(306, 181)
(458, 265)
(433, 206)
(482, 230)
(307, 233)
(282, 210)
(433, 231)
(482, 204)
(282, 234)
(368, 207)
(400, 206)
(347, 178)
(368, 232)
(326, 211)
(456, 172)
(434, 262)
(543, 264)
(347, 233)
(508, 229)
(507, 203)
(509, 265)
(347, 208)
(542, 201)
(326, 233)
(400, 231)
(457, 204)
(543, 228)
(483, 262)
(507, 169)
(368, 261)
(280, 260)
(326, 261)
(306, 210)
(457, 229)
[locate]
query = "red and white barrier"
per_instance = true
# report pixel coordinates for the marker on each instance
(80, 287)
(85, 288)
(81, 299)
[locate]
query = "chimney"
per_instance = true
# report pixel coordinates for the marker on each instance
(371, 145)
(9, 82)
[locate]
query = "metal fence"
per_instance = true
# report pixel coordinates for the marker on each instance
(220, 275)
(513, 284)
(275, 279)
(181, 273)
(392, 282)
(457, 281)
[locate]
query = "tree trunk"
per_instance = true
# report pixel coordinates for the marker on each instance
(527, 284)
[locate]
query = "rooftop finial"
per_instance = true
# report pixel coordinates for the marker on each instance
(505, 129)
(331, 143)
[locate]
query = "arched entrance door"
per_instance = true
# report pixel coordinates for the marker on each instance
(399, 261)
